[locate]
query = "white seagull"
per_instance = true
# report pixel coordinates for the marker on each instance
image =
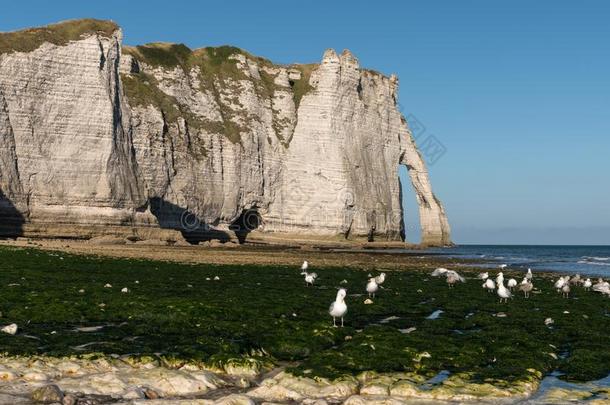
(565, 290)
(310, 278)
(489, 285)
(483, 276)
(441, 271)
(503, 266)
(602, 287)
(304, 266)
(503, 292)
(559, 284)
(453, 277)
(339, 307)
(529, 275)
(500, 278)
(587, 284)
(512, 283)
(380, 278)
(372, 287)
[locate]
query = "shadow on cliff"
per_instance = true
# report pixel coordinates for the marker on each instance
(194, 230)
(11, 220)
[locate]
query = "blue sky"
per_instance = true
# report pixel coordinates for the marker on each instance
(518, 92)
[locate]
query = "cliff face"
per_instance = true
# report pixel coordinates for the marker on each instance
(207, 142)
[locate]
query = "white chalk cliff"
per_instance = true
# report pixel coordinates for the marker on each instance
(94, 135)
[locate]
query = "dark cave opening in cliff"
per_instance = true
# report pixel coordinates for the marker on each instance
(11, 220)
(410, 207)
(249, 220)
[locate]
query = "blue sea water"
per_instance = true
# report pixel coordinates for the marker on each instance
(590, 260)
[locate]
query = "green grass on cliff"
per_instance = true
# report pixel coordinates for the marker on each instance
(218, 75)
(58, 34)
(180, 314)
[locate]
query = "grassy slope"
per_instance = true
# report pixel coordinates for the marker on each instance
(250, 311)
(58, 34)
(218, 72)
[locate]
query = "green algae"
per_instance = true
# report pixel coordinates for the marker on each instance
(177, 314)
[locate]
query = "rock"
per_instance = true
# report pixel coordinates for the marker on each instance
(107, 240)
(35, 376)
(10, 329)
(6, 375)
(13, 399)
(373, 400)
(285, 387)
(69, 399)
(404, 388)
(235, 400)
(149, 393)
(48, 394)
(377, 386)
(134, 393)
(114, 160)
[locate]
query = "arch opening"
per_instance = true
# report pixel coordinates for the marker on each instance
(410, 206)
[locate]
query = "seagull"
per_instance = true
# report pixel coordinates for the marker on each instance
(304, 266)
(499, 278)
(526, 286)
(372, 287)
(441, 271)
(512, 283)
(576, 280)
(483, 276)
(453, 277)
(310, 278)
(602, 286)
(565, 290)
(587, 284)
(380, 278)
(339, 307)
(559, 284)
(529, 275)
(489, 285)
(503, 292)
(503, 266)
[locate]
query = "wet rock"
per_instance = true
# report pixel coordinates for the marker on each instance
(48, 394)
(377, 386)
(373, 400)
(235, 399)
(404, 388)
(7, 375)
(285, 387)
(149, 393)
(69, 399)
(13, 399)
(134, 393)
(35, 376)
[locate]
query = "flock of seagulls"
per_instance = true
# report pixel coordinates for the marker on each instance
(563, 285)
(338, 308)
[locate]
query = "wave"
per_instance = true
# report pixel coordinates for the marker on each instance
(596, 258)
(592, 263)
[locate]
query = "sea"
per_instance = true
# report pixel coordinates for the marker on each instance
(586, 260)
